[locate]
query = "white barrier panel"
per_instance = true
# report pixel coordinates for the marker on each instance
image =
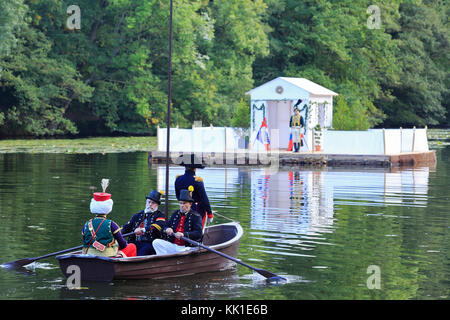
(180, 139)
(370, 142)
(421, 140)
(375, 141)
(407, 139)
(207, 139)
(393, 141)
(353, 142)
(199, 139)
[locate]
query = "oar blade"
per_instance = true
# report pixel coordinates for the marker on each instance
(18, 263)
(270, 277)
(23, 262)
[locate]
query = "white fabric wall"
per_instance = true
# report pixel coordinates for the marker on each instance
(370, 142)
(353, 142)
(375, 142)
(406, 140)
(199, 139)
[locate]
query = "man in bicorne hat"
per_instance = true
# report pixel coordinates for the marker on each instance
(183, 222)
(189, 178)
(147, 224)
(101, 236)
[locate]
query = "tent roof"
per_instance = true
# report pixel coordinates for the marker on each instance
(302, 83)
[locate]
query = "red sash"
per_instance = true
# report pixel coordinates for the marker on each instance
(180, 228)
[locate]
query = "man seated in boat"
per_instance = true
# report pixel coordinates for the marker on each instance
(101, 236)
(189, 178)
(184, 222)
(147, 225)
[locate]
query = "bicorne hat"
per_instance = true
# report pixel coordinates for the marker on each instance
(185, 195)
(191, 161)
(155, 196)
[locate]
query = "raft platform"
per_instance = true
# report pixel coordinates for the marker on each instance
(271, 158)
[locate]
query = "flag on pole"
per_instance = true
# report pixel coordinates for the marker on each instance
(263, 135)
(291, 143)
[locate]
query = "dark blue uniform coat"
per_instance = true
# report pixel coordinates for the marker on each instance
(192, 226)
(153, 224)
(201, 201)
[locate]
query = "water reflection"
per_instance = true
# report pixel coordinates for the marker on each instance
(199, 287)
(299, 201)
(319, 228)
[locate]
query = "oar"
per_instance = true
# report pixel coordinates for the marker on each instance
(24, 262)
(268, 275)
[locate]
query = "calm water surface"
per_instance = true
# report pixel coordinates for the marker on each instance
(322, 229)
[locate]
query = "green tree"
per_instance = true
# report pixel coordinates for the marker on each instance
(12, 18)
(330, 43)
(421, 97)
(35, 87)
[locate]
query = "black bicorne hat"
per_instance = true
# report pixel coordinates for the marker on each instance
(191, 161)
(155, 196)
(185, 195)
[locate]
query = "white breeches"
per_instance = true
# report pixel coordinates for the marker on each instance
(166, 247)
(296, 134)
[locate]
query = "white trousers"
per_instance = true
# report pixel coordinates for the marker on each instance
(296, 134)
(166, 247)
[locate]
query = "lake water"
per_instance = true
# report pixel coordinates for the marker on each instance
(329, 231)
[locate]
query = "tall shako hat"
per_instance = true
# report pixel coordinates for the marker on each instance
(101, 203)
(296, 106)
(155, 196)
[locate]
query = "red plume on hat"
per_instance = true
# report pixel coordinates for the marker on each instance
(101, 203)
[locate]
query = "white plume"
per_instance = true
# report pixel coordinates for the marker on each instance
(105, 184)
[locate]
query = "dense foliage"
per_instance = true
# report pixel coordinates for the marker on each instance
(110, 76)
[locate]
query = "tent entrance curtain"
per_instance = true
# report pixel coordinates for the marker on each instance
(278, 116)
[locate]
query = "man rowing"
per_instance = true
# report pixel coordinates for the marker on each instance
(147, 224)
(184, 222)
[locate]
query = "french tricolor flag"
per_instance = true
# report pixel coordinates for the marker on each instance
(263, 135)
(291, 143)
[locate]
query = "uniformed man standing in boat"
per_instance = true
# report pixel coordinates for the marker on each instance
(189, 178)
(183, 222)
(147, 224)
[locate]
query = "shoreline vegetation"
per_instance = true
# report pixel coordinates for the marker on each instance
(437, 138)
(79, 145)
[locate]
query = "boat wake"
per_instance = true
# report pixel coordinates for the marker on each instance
(40, 266)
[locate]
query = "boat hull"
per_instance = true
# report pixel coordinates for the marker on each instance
(224, 238)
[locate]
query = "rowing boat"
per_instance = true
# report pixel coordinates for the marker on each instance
(222, 237)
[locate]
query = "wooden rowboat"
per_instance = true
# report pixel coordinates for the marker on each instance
(222, 237)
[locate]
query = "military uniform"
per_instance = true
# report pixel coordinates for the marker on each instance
(101, 236)
(296, 123)
(188, 223)
(153, 222)
(201, 201)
